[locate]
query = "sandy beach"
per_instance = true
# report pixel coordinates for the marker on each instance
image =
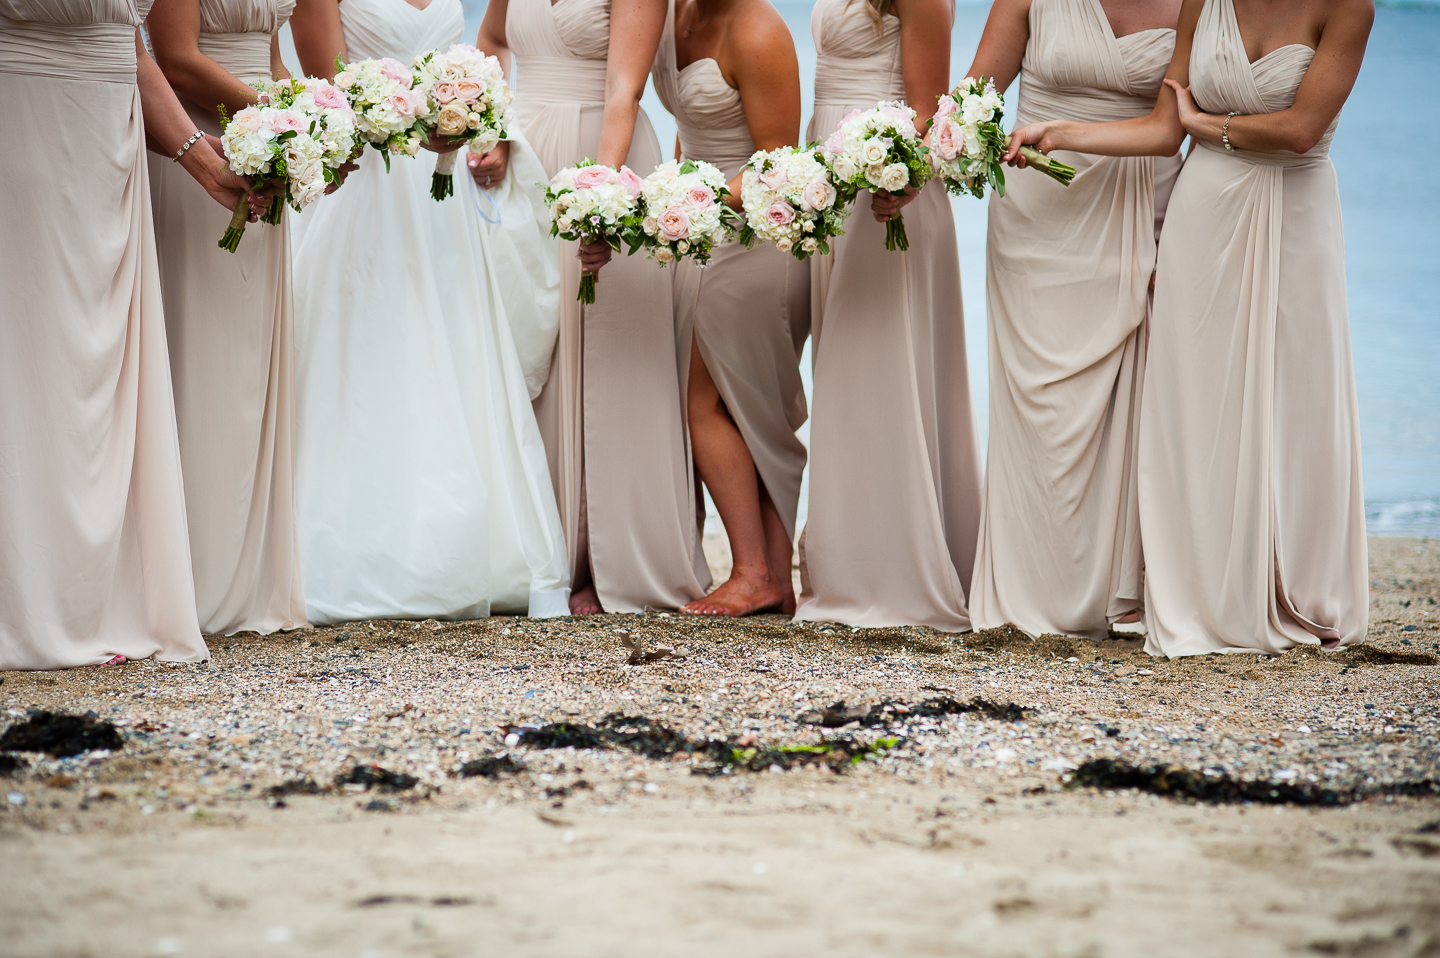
(414, 788)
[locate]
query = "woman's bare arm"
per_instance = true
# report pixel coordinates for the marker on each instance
(760, 55)
(319, 37)
(491, 37)
(635, 30)
(1002, 45)
(925, 53)
(174, 28)
(278, 70)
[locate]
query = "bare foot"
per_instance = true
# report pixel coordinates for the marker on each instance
(1131, 617)
(739, 596)
(585, 602)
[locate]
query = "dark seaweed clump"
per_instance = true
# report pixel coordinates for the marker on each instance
(295, 786)
(61, 735)
(888, 714)
(491, 766)
(373, 776)
(838, 754)
(1176, 782)
(10, 764)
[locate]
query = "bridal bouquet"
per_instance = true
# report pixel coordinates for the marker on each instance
(966, 142)
(299, 132)
(879, 149)
(468, 101)
(685, 211)
(590, 202)
(388, 108)
(790, 201)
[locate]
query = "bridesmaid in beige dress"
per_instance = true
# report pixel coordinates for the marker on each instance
(1067, 289)
(727, 71)
(94, 555)
(229, 319)
(1250, 499)
(894, 478)
(611, 412)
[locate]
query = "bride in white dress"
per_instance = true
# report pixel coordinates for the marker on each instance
(423, 331)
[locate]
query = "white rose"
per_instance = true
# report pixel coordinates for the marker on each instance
(895, 178)
(664, 255)
(783, 244)
(873, 151)
(874, 173)
(845, 168)
(345, 79)
(810, 244)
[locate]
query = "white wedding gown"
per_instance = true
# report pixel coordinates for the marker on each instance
(423, 331)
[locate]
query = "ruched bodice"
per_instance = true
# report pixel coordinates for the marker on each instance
(236, 33)
(1075, 67)
(855, 63)
(1223, 79)
(560, 50)
(393, 28)
(707, 110)
(43, 38)
(584, 27)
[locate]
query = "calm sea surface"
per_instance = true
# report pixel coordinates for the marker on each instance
(1385, 153)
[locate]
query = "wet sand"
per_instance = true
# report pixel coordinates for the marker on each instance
(958, 833)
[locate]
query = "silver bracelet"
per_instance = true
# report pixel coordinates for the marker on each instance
(1225, 130)
(188, 143)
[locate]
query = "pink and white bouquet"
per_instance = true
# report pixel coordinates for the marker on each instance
(300, 131)
(879, 149)
(967, 141)
(388, 107)
(589, 202)
(790, 201)
(685, 211)
(468, 101)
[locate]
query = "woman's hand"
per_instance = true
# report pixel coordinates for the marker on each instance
(489, 168)
(887, 206)
(1039, 135)
(441, 144)
(1191, 117)
(594, 255)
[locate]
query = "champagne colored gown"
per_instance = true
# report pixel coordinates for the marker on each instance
(1067, 290)
(94, 553)
(423, 487)
(1251, 508)
(894, 463)
(229, 320)
(749, 310)
(612, 411)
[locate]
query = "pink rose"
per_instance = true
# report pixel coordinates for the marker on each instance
(629, 182)
(469, 90)
(248, 119)
(779, 213)
(329, 97)
(945, 106)
(396, 71)
(948, 139)
(444, 91)
(818, 194)
(595, 175)
(775, 179)
(674, 224)
(401, 104)
(700, 196)
(283, 121)
(835, 143)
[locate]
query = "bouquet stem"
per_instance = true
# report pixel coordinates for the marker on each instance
(1061, 173)
(231, 240)
(275, 212)
(442, 183)
(895, 238)
(587, 287)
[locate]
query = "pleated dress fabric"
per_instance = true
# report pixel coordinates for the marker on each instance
(229, 320)
(1067, 291)
(94, 553)
(421, 475)
(1251, 506)
(894, 501)
(749, 310)
(612, 409)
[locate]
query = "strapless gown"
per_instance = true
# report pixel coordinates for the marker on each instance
(1251, 508)
(749, 310)
(423, 488)
(1067, 290)
(94, 553)
(230, 324)
(612, 410)
(894, 463)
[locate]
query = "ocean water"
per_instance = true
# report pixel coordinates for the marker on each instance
(1384, 156)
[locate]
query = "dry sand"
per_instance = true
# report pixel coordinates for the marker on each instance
(960, 838)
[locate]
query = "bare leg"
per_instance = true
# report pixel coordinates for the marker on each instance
(779, 551)
(729, 473)
(583, 598)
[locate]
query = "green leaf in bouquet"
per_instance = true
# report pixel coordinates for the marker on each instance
(688, 167)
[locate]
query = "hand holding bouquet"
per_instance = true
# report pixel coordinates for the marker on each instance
(966, 142)
(685, 211)
(388, 108)
(790, 201)
(589, 203)
(299, 132)
(468, 101)
(879, 149)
